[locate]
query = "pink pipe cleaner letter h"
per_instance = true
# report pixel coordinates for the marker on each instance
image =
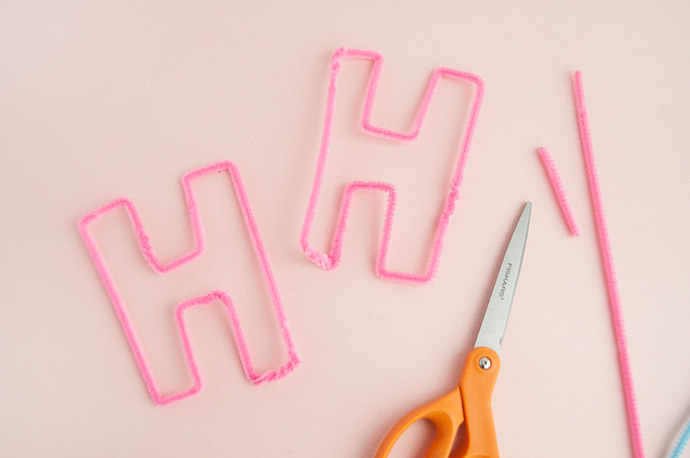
(162, 268)
(331, 259)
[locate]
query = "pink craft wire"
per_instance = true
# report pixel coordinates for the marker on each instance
(331, 259)
(559, 190)
(199, 245)
(610, 275)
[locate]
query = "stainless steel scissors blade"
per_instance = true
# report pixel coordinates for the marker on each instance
(496, 316)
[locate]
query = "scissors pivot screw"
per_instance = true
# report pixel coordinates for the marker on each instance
(484, 363)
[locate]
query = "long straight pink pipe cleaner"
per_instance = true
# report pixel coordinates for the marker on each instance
(331, 259)
(609, 273)
(559, 190)
(157, 266)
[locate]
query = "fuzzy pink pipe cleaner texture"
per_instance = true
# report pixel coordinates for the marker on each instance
(559, 190)
(331, 259)
(157, 266)
(609, 272)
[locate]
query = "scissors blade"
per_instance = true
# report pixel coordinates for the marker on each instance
(496, 316)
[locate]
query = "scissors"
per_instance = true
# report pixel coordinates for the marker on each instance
(470, 401)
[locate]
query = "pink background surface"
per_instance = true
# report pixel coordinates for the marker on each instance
(106, 100)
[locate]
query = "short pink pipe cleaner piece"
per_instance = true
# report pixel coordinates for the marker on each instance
(331, 259)
(610, 275)
(559, 190)
(149, 255)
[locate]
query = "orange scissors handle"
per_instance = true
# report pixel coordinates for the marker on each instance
(469, 403)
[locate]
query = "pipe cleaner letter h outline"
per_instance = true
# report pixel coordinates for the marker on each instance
(331, 259)
(199, 246)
